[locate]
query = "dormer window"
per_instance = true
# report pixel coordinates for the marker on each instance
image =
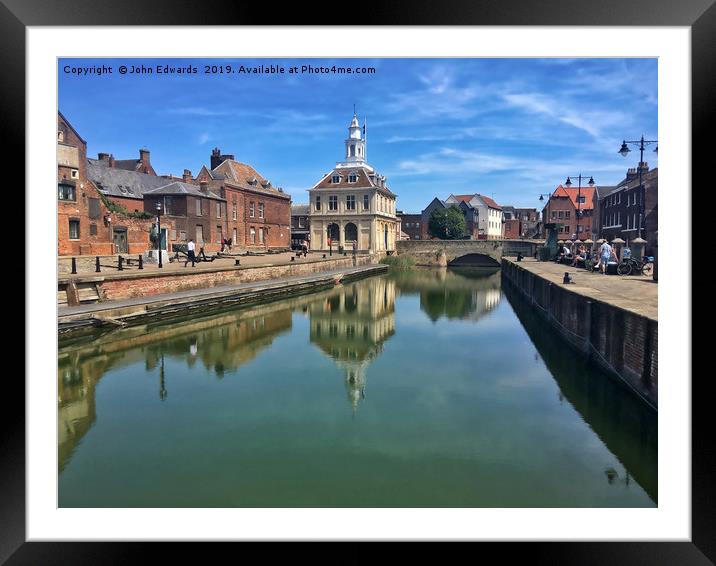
(352, 178)
(336, 179)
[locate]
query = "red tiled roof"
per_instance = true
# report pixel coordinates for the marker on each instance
(572, 192)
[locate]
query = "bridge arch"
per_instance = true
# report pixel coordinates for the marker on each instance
(474, 259)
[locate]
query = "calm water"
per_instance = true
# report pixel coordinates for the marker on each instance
(420, 388)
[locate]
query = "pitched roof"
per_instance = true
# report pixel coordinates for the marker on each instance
(572, 192)
(365, 179)
(179, 188)
(246, 177)
(487, 200)
(299, 209)
(119, 182)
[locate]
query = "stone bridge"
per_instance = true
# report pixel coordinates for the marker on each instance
(487, 253)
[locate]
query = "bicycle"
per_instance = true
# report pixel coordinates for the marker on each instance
(632, 265)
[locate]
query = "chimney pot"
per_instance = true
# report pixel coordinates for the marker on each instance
(186, 177)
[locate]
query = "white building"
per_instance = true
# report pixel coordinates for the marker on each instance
(490, 225)
(352, 204)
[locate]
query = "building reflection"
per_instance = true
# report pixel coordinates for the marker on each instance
(351, 324)
(465, 294)
(220, 343)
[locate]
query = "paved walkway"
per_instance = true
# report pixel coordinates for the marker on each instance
(196, 294)
(227, 262)
(636, 293)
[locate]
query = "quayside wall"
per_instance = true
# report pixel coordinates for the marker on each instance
(622, 342)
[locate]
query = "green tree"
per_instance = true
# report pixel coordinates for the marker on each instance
(447, 223)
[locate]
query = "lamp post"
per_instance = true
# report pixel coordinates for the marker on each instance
(541, 199)
(159, 232)
(568, 183)
(624, 151)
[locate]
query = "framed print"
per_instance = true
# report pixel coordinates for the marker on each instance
(395, 278)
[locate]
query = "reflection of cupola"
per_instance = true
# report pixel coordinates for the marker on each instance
(355, 144)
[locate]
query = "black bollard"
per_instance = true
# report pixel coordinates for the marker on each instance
(345, 254)
(324, 256)
(120, 268)
(567, 278)
(292, 258)
(237, 262)
(96, 265)
(74, 266)
(141, 264)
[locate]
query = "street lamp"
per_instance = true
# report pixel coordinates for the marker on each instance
(541, 199)
(159, 232)
(568, 183)
(624, 151)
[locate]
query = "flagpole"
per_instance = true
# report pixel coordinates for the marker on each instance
(365, 141)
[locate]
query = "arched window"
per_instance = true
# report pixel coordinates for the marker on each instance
(353, 151)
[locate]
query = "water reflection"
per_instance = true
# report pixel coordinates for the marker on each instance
(464, 293)
(351, 324)
(279, 424)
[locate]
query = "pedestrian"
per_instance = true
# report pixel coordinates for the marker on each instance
(223, 245)
(304, 248)
(605, 254)
(229, 242)
(190, 257)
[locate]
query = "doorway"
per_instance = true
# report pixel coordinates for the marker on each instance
(119, 237)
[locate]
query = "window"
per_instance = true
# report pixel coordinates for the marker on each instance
(74, 174)
(218, 210)
(66, 192)
(182, 235)
(417, 224)
(168, 201)
(353, 152)
(74, 229)
(93, 229)
(554, 214)
(581, 199)
(318, 203)
(333, 202)
(566, 228)
(252, 235)
(251, 210)
(219, 235)
(301, 222)
(93, 208)
(261, 235)
(352, 178)
(351, 202)
(233, 210)
(233, 237)
(561, 214)
(366, 202)
(261, 210)
(198, 207)
(336, 179)
(566, 213)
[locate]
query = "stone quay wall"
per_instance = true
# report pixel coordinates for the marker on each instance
(622, 342)
(126, 286)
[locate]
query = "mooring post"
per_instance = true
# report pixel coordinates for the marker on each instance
(141, 263)
(96, 265)
(74, 266)
(119, 266)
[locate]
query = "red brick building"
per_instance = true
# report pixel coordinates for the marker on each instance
(258, 214)
(85, 225)
(572, 207)
(412, 225)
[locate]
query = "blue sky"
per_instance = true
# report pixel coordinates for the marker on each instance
(506, 128)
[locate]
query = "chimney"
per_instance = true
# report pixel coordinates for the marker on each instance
(631, 174)
(144, 155)
(204, 186)
(103, 156)
(215, 158)
(186, 177)
(644, 166)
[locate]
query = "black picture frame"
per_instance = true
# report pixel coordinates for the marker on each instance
(699, 15)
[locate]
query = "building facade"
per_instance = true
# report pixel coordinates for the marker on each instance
(631, 210)
(412, 225)
(572, 208)
(520, 222)
(87, 223)
(258, 214)
(352, 204)
(488, 223)
(300, 225)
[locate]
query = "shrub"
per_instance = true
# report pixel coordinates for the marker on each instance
(401, 261)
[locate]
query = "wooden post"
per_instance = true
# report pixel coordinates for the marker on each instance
(74, 266)
(96, 265)
(141, 264)
(119, 266)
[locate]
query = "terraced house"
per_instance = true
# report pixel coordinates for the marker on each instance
(352, 205)
(258, 214)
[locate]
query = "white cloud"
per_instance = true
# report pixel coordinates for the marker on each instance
(203, 138)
